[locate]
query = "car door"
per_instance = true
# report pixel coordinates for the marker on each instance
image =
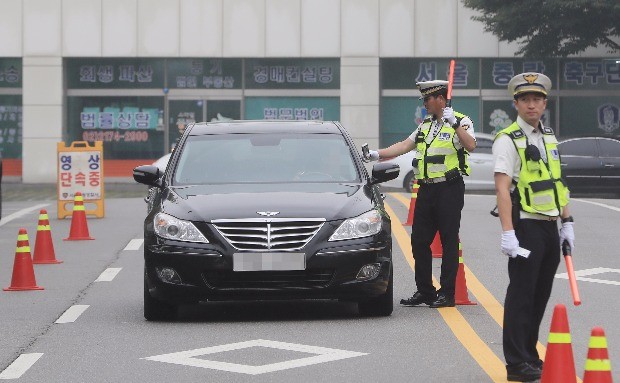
(481, 165)
(610, 161)
(581, 166)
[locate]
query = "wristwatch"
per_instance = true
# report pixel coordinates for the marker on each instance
(568, 219)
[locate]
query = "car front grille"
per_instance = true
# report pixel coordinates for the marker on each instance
(276, 234)
(311, 278)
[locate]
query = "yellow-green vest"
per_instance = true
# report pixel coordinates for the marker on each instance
(540, 186)
(435, 159)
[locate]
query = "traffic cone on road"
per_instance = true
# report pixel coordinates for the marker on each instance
(43, 245)
(79, 226)
(23, 272)
(598, 366)
(460, 293)
(414, 197)
(436, 248)
(559, 363)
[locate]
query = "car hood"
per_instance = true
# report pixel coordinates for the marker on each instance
(211, 202)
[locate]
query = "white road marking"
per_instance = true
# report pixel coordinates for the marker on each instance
(581, 275)
(72, 314)
(188, 358)
(20, 213)
(20, 365)
(134, 244)
(108, 274)
(597, 204)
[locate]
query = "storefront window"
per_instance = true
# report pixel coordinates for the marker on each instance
(130, 127)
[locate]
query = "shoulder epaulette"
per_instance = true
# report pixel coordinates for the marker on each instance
(547, 130)
(516, 134)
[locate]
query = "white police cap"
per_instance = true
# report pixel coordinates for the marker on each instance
(529, 82)
(428, 88)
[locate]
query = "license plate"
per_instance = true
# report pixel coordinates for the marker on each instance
(268, 261)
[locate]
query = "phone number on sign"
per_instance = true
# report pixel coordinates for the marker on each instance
(109, 136)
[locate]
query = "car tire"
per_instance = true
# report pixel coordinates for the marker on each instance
(381, 306)
(408, 182)
(156, 310)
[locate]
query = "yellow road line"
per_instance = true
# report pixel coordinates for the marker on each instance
(463, 331)
(483, 296)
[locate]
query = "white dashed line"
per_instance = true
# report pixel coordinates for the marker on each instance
(20, 365)
(134, 244)
(72, 314)
(108, 274)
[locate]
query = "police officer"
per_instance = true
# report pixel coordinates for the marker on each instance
(441, 142)
(531, 198)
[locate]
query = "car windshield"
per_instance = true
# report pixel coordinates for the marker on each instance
(265, 158)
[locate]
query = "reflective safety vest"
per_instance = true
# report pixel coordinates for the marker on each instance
(440, 156)
(540, 186)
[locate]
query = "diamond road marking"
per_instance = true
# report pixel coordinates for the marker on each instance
(188, 358)
(582, 274)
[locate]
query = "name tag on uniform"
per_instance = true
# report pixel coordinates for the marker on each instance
(555, 154)
(444, 137)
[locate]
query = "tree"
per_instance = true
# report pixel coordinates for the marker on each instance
(551, 28)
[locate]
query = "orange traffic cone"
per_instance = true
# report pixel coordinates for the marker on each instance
(460, 293)
(598, 366)
(23, 272)
(79, 227)
(414, 197)
(436, 248)
(43, 245)
(559, 363)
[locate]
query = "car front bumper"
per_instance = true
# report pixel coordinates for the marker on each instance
(206, 274)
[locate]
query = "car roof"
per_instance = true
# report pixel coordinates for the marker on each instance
(485, 135)
(589, 138)
(264, 126)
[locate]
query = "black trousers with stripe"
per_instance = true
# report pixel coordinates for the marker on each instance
(438, 208)
(529, 289)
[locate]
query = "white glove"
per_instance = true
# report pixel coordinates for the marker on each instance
(567, 233)
(510, 245)
(373, 155)
(448, 115)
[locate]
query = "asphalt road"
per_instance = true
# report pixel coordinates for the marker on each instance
(97, 293)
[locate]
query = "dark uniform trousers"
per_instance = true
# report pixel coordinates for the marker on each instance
(529, 289)
(438, 208)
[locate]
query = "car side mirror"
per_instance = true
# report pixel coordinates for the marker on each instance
(148, 175)
(384, 171)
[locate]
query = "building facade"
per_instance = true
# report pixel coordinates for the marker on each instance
(133, 73)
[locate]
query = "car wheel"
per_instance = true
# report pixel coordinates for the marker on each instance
(156, 310)
(383, 305)
(408, 182)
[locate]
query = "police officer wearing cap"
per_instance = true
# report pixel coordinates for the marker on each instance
(531, 199)
(441, 142)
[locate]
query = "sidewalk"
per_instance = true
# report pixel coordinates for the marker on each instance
(18, 191)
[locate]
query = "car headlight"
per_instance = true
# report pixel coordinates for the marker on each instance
(364, 225)
(169, 227)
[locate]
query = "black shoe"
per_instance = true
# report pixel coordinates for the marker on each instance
(523, 372)
(417, 299)
(442, 301)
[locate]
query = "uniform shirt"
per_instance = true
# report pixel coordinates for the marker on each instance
(436, 125)
(506, 157)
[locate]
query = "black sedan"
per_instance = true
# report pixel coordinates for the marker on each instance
(257, 210)
(591, 164)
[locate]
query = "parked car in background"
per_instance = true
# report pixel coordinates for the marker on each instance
(591, 164)
(256, 210)
(480, 163)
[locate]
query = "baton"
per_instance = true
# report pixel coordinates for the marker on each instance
(566, 251)
(450, 81)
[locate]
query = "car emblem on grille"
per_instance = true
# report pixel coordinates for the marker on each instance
(268, 213)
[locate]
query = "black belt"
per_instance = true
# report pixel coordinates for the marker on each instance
(432, 180)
